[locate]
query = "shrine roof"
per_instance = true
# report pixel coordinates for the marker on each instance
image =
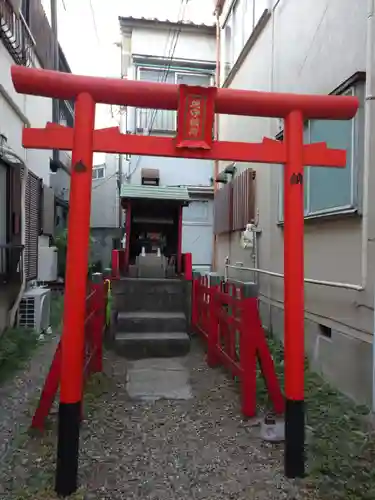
(139, 191)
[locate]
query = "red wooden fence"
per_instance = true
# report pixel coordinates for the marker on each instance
(226, 315)
(96, 300)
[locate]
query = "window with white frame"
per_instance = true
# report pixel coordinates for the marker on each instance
(98, 172)
(196, 211)
(330, 190)
(164, 120)
(241, 20)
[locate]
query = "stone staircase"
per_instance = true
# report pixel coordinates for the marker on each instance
(149, 317)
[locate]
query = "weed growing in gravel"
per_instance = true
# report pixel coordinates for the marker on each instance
(36, 454)
(16, 347)
(18, 344)
(340, 448)
(57, 308)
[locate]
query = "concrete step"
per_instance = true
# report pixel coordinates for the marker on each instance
(139, 345)
(149, 295)
(142, 321)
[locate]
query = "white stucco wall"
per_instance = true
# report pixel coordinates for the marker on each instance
(38, 110)
(104, 196)
(310, 47)
(189, 45)
(174, 171)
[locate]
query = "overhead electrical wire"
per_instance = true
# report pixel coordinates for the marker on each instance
(96, 186)
(163, 77)
(94, 21)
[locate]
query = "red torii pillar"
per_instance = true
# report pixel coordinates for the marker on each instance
(195, 141)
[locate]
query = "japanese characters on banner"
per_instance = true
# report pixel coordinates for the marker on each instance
(195, 117)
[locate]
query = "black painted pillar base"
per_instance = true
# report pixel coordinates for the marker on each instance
(294, 457)
(66, 481)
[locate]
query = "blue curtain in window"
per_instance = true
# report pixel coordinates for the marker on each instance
(331, 188)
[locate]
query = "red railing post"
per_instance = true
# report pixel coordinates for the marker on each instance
(188, 266)
(213, 326)
(98, 322)
(194, 301)
(265, 359)
(179, 241)
(49, 392)
(87, 366)
(248, 348)
(115, 264)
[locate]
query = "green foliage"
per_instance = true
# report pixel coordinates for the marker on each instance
(16, 346)
(340, 446)
(61, 243)
(38, 452)
(57, 308)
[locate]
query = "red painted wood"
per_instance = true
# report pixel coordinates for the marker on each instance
(72, 339)
(112, 141)
(248, 361)
(93, 352)
(97, 330)
(213, 329)
(152, 95)
(188, 268)
(115, 264)
(218, 326)
(49, 392)
(195, 117)
(264, 356)
(294, 286)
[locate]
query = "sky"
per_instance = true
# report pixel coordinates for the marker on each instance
(88, 31)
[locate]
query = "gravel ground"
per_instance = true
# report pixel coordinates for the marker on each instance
(16, 395)
(194, 449)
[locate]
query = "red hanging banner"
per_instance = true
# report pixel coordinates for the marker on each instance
(195, 118)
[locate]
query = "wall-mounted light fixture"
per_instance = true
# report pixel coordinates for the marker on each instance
(230, 169)
(222, 178)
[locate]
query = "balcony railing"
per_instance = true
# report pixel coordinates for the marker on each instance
(11, 263)
(15, 35)
(159, 120)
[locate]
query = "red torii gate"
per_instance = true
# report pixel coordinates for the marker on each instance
(196, 108)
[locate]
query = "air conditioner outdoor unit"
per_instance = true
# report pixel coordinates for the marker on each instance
(34, 310)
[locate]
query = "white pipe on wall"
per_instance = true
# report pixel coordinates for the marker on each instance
(368, 160)
(334, 284)
(369, 116)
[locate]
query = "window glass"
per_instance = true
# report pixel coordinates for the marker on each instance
(327, 189)
(98, 173)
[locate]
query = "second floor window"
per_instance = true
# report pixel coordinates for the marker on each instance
(164, 121)
(98, 172)
(14, 33)
(25, 9)
(241, 20)
(333, 190)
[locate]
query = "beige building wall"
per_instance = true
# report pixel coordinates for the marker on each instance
(310, 47)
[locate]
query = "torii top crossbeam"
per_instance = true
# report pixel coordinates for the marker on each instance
(196, 107)
(139, 94)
